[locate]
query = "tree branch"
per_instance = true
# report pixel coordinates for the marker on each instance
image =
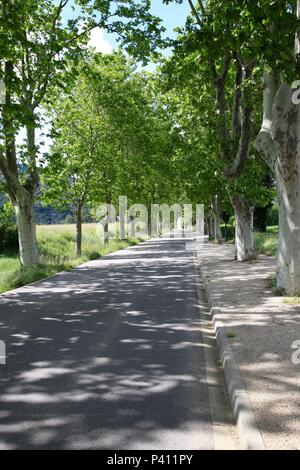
(219, 83)
(245, 126)
(237, 95)
(195, 13)
(264, 143)
(13, 185)
(43, 86)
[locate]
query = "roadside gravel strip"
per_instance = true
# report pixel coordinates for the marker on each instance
(249, 434)
(255, 332)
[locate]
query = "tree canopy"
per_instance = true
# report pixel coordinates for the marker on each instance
(215, 122)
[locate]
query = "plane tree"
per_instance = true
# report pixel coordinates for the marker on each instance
(188, 75)
(278, 138)
(267, 33)
(82, 146)
(39, 43)
(111, 137)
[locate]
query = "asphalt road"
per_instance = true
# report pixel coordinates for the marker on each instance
(107, 356)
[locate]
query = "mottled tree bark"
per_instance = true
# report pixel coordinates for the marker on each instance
(244, 246)
(216, 212)
(278, 143)
(79, 210)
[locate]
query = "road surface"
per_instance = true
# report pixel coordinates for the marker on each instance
(109, 355)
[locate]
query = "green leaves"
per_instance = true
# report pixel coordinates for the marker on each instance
(111, 136)
(42, 44)
(196, 74)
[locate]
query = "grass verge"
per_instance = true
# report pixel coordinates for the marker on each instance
(291, 300)
(57, 244)
(266, 243)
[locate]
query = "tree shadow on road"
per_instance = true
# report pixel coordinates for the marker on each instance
(106, 356)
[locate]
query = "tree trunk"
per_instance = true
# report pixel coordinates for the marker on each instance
(122, 217)
(288, 261)
(29, 255)
(206, 226)
(108, 215)
(132, 226)
(278, 143)
(216, 210)
(244, 248)
(20, 189)
(79, 209)
(211, 226)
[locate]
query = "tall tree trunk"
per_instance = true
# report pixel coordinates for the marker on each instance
(21, 194)
(79, 209)
(123, 217)
(108, 215)
(132, 226)
(216, 210)
(288, 261)
(28, 248)
(211, 225)
(244, 247)
(206, 225)
(278, 143)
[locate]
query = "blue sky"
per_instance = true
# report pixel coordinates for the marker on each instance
(172, 15)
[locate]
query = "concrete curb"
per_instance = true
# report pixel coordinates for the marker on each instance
(249, 433)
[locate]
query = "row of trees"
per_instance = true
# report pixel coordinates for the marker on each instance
(190, 131)
(40, 51)
(229, 49)
(112, 136)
